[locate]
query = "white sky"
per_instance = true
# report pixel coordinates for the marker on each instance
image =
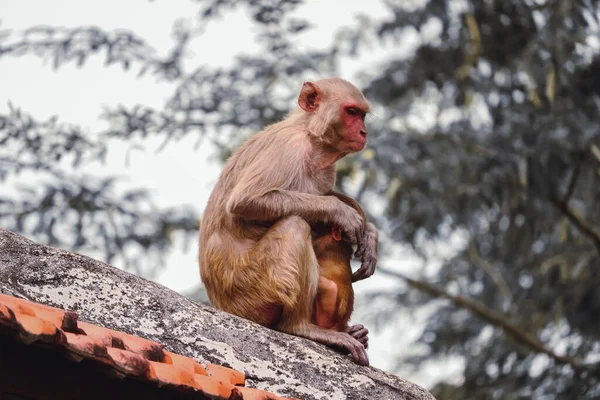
(178, 175)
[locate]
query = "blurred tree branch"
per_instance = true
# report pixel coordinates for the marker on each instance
(486, 314)
(577, 221)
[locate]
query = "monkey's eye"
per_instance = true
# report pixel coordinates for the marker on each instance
(353, 111)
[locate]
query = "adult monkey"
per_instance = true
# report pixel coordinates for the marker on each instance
(256, 255)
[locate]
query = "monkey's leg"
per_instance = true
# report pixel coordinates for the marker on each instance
(326, 303)
(287, 262)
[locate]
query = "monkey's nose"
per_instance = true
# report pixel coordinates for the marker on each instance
(363, 133)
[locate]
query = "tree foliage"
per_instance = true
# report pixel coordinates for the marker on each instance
(486, 126)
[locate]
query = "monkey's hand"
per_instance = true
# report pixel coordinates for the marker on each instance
(367, 251)
(353, 346)
(359, 333)
(350, 221)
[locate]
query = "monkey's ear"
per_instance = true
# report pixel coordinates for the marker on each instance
(310, 97)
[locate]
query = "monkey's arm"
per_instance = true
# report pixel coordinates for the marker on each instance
(259, 197)
(278, 203)
(351, 202)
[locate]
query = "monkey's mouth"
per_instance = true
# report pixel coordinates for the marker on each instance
(357, 143)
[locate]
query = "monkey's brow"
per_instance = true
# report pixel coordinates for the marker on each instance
(363, 110)
(359, 107)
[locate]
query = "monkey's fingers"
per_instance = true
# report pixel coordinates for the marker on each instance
(361, 273)
(361, 244)
(364, 341)
(354, 328)
(369, 241)
(360, 250)
(358, 274)
(367, 268)
(360, 333)
(360, 237)
(354, 347)
(358, 351)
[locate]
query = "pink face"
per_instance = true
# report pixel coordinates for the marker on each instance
(354, 131)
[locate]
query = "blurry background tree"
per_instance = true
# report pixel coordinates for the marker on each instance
(484, 161)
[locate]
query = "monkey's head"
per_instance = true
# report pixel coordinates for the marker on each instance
(328, 239)
(336, 112)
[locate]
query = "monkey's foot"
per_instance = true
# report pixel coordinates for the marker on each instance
(339, 340)
(360, 333)
(355, 348)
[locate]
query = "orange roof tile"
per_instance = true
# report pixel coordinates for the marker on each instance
(129, 355)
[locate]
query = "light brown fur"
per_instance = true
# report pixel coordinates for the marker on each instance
(256, 255)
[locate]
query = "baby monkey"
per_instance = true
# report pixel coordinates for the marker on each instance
(335, 296)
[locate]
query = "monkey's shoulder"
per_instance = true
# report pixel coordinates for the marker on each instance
(272, 148)
(320, 182)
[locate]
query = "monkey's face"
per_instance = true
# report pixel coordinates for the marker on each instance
(337, 112)
(352, 128)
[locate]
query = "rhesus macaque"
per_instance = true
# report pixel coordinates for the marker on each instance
(256, 255)
(335, 296)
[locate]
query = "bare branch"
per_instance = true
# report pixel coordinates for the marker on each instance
(579, 223)
(488, 315)
(563, 205)
(573, 182)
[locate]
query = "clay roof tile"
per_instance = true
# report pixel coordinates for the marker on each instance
(125, 354)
